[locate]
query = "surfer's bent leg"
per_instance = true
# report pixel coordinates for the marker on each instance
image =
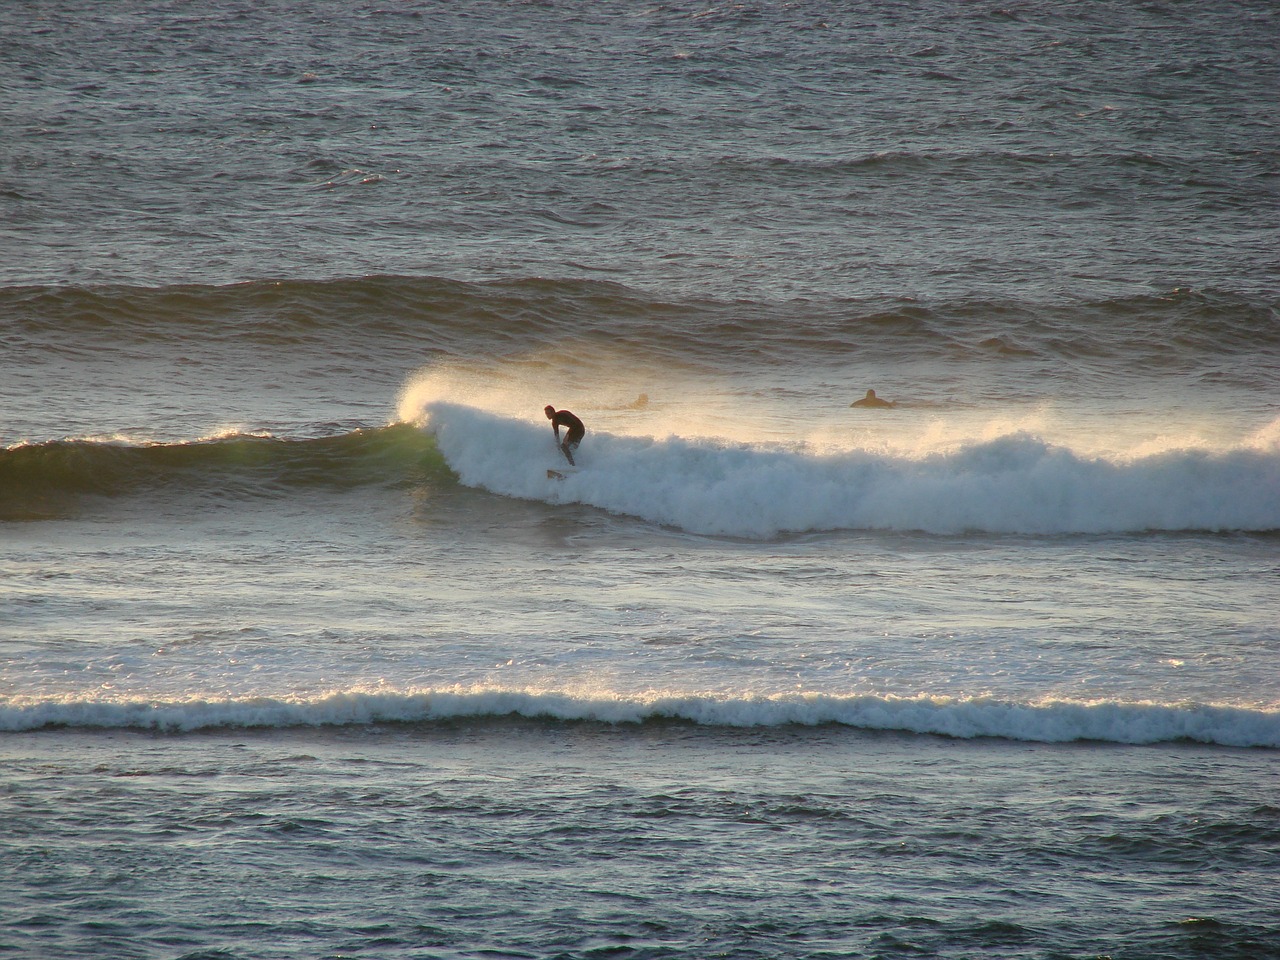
(571, 441)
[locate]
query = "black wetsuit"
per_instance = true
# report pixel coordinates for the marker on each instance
(574, 431)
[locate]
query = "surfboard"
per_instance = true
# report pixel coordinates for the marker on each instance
(555, 475)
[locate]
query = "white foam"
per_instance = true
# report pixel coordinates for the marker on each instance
(1050, 721)
(1012, 484)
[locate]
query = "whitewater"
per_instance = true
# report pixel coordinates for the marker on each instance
(1042, 722)
(1014, 484)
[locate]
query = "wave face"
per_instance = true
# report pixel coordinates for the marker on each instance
(1043, 722)
(1016, 484)
(45, 479)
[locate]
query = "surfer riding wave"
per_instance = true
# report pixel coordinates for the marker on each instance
(574, 430)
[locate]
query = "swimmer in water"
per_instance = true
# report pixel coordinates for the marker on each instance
(573, 433)
(871, 400)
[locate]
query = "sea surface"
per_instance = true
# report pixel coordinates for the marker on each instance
(304, 652)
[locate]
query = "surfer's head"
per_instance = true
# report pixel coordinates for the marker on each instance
(550, 411)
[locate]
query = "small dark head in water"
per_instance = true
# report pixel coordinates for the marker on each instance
(871, 400)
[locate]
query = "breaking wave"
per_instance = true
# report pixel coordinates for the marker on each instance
(1013, 485)
(1049, 721)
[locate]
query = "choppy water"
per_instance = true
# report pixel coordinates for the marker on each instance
(741, 148)
(303, 654)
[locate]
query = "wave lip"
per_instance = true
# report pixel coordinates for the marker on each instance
(1043, 721)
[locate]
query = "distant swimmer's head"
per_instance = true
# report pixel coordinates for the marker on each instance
(871, 400)
(550, 411)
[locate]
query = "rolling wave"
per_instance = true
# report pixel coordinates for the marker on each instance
(1013, 485)
(44, 479)
(1178, 328)
(1048, 721)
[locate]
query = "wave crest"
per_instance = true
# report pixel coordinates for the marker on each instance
(1048, 721)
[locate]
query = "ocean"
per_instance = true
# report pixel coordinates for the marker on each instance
(312, 643)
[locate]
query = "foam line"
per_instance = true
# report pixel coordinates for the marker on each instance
(1049, 721)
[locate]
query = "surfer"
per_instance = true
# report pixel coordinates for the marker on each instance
(574, 431)
(871, 400)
